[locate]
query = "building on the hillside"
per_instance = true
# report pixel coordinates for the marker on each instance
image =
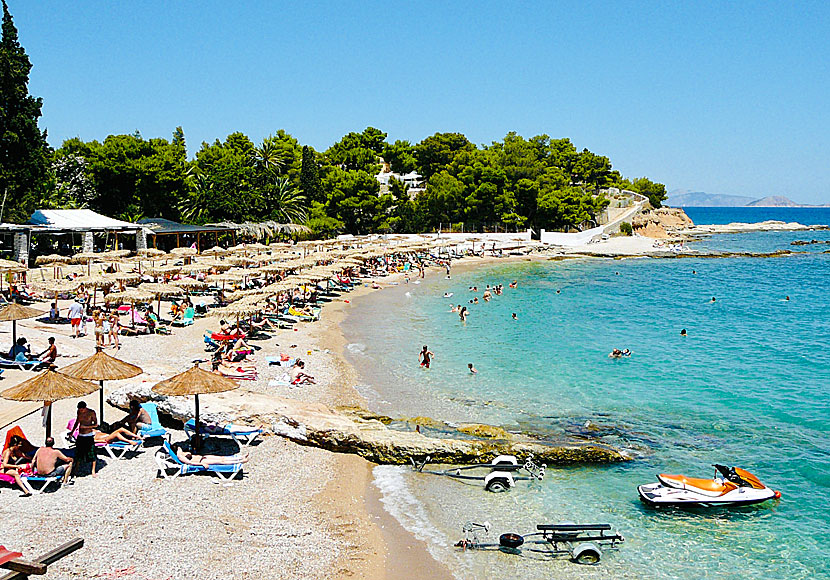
(414, 181)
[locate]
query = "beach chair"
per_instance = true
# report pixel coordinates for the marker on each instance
(120, 449)
(171, 467)
(187, 317)
(240, 433)
(21, 362)
(39, 483)
(155, 429)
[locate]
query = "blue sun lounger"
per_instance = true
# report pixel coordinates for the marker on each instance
(42, 482)
(155, 429)
(242, 434)
(171, 467)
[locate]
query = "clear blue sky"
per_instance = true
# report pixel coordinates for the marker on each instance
(723, 97)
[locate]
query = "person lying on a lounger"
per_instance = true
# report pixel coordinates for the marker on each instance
(189, 458)
(119, 434)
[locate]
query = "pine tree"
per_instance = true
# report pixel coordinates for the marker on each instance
(24, 152)
(310, 184)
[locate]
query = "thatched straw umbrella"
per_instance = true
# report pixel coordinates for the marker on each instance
(101, 367)
(57, 286)
(14, 312)
(215, 251)
(132, 296)
(189, 284)
(150, 252)
(49, 386)
(195, 381)
(180, 252)
(52, 259)
(160, 290)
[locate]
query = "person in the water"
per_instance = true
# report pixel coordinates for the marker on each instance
(683, 332)
(514, 316)
(425, 356)
(472, 368)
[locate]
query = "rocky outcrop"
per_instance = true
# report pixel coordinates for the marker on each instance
(739, 227)
(661, 222)
(357, 431)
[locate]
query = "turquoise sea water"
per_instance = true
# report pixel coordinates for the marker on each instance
(748, 386)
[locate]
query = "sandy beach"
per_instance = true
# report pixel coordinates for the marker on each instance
(299, 512)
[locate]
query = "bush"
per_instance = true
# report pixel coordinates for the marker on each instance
(625, 229)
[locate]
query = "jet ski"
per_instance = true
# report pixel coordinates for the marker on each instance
(731, 486)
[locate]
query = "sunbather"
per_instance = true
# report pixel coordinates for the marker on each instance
(298, 377)
(120, 434)
(136, 419)
(206, 461)
(14, 462)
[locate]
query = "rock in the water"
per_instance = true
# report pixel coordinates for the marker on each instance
(489, 431)
(316, 424)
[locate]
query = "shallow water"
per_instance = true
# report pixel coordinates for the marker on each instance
(748, 386)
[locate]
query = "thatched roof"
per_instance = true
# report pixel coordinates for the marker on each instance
(160, 289)
(130, 296)
(52, 259)
(101, 367)
(195, 381)
(189, 283)
(49, 385)
(15, 311)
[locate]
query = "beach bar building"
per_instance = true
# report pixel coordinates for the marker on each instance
(166, 234)
(72, 229)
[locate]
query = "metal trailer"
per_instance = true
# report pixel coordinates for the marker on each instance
(584, 543)
(504, 472)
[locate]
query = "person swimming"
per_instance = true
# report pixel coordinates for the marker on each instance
(683, 332)
(616, 353)
(514, 316)
(475, 300)
(712, 301)
(472, 368)
(513, 284)
(462, 314)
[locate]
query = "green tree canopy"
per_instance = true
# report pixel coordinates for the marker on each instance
(24, 152)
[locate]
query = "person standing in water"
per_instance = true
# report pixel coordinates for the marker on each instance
(472, 368)
(425, 356)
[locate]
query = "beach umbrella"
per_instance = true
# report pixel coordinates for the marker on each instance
(52, 259)
(149, 252)
(101, 367)
(14, 312)
(189, 284)
(132, 296)
(160, 290)
(181, 252)
(49, 386)
(215, 251)
(195, 381)
(114, 254)
(11, 266)
(57, 286)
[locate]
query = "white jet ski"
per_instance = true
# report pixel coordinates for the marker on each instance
(731, 486)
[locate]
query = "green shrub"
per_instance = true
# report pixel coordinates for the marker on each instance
(625, 229)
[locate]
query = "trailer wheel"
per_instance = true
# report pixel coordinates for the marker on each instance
(497, 485)
(587, 554)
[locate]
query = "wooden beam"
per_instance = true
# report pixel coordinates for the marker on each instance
(48, 558)
(24, 566)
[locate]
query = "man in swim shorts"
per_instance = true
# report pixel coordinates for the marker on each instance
(76, 312)
(87, 422)
(46, 461)
(425, 356)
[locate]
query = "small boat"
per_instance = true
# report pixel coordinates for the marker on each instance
(731, 486)
(500, 475)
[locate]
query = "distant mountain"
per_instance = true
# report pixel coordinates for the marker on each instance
(778, 201)
(702, 199)
(686, 198)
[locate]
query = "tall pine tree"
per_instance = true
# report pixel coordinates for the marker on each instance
(24, 152)
(310, 183)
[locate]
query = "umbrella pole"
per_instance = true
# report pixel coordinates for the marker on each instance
(14, 333)
(196, 441)
(48, 419)
(101, 418)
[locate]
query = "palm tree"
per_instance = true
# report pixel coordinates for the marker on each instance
(267, 157)
(193, 208)
(285, 203)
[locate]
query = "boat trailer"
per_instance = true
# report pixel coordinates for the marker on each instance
(582, 542)
(504, 472)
